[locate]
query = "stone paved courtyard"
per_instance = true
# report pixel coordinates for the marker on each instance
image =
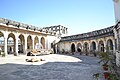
(55, 67)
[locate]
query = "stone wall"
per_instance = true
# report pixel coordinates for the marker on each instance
(80, 40)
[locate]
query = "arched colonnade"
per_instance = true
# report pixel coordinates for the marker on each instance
(91, 45)
(16, 42)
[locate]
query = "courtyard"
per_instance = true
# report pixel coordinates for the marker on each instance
(55, 67)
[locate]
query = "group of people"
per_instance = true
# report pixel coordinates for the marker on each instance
(33, 59)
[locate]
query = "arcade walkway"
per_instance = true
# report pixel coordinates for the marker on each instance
(55, 67)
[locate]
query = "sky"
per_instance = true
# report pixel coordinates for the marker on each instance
(79, 16)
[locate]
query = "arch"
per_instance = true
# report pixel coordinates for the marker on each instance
(86, 47)
(36, 42)
(1, 41)
(43, 42)
(1, 34)
(101, 46)
(11, 43)
(73, 47)
(93, 46)
(110, 44)
(21, 43)
(79, 47)
(29, 42)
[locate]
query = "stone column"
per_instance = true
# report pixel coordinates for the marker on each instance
(33, 39)
(89, 45)
(56, 48)
(113, 45)
(25, 46)
(45, 42)
(97, 46)
(105, 45)
(5, 45)
(118, 58)
(16, 45)
(39, 41)
(82, 47)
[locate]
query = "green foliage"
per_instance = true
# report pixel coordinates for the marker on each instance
(112, 77)
(104, 57)
(96, 76)
(2, 54)
(106, 60)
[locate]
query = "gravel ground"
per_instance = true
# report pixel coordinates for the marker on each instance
(55, 67)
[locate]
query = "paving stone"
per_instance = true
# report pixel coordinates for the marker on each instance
(55, 67)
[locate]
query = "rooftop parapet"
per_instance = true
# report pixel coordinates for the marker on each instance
(15, 24)
(93, 34)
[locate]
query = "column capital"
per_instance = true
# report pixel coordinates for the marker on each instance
(33, 37)
(5, 37)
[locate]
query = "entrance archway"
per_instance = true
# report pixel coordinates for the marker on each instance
(29, 42)
(43, 42)
(79, 47)
(110, 44)
(101, 46)
(21, 44)
(93, 46)
(1, 41)
(11, 43)
(86, 47)
(73, 47)
(36, 42)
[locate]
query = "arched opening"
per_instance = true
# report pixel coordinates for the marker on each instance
(86, 47)
(79, 47)
(29, 42)
(43, 42)
(93, 46)
(36, 43)
(21, 44)
(73, 47)
(110, 44)
(1, 42)
(101, 46)
(11, 44)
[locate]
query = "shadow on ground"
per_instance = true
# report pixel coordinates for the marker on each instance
(52, 70)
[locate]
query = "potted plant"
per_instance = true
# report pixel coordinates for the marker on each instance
(105, 58)
(96, 76)
(112, 76)
(105, 67)
(106, 75)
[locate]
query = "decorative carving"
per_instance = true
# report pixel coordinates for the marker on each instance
(13, 23)
(23, 25)
(4, 21)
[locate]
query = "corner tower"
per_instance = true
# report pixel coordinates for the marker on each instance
(117, 10)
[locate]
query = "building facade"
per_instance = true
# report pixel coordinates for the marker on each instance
(19, 37)
(97, 40)
(27, 37)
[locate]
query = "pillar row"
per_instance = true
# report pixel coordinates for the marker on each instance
(33, 40)
(16, 46)
(5, 45)
(25, 44)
